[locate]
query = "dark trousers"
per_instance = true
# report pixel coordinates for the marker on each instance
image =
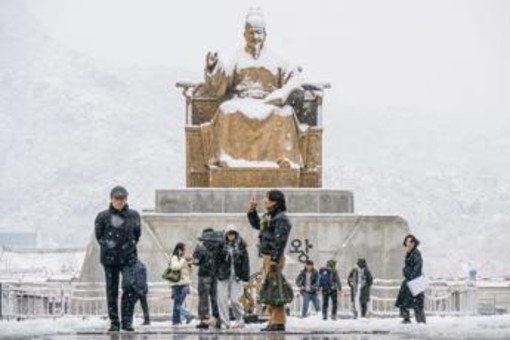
(129, 297)
(326, 296)
(419, 309)
(207, 294)
(145, 306)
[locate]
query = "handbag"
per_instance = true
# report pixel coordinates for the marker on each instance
(171, 275)
(275, 290)
(418, 285)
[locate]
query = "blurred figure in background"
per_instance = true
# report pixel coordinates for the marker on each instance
(360, 280)
(329, 283)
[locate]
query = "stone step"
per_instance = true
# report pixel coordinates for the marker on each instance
(236, 200)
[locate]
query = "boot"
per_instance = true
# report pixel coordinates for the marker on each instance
(202, 325)
(128, 328)
(277, 328)
(114, 327)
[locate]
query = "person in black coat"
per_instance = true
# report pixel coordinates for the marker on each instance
(360, 280)
(412, 270)
(274, 229)
(117, 231)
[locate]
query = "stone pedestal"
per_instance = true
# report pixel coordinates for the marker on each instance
(324, 227)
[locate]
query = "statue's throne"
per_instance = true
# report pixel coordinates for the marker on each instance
(200, 108)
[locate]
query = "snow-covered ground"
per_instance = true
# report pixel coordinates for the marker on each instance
(437, 328)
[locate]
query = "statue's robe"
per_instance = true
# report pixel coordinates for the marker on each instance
(252, 124)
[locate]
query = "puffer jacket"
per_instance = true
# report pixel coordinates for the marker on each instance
(274, 230)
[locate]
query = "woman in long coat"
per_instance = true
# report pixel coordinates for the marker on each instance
(412, 270)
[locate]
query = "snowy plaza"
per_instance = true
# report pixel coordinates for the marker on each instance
(254, 169)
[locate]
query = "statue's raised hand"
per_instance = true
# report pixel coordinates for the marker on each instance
(211, 60)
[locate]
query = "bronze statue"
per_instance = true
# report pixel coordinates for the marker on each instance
(256, 122)
(253, 122)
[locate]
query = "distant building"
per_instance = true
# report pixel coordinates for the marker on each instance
(40, 265)
(18, 240)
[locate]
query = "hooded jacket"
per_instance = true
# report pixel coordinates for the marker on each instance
(235, 253)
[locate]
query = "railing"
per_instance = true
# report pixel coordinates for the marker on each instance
(440, 299)
(52, 300)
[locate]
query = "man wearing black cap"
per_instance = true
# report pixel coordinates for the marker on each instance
(117, 231)
(274, 229)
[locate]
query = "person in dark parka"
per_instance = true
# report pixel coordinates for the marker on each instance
(331, 286)
(274, 229)
(412, 270)
(142, 289)
(117, 231)
(204, 256)
(360, 280)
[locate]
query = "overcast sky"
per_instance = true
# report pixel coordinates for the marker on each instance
(438, 58)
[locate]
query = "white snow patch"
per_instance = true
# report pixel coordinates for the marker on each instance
(243, 163)
(254, 108)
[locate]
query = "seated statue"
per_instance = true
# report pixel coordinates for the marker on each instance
(256, 124)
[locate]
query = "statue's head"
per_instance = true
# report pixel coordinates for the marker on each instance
(255, 32)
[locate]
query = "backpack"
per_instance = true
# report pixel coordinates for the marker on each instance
(325, 278)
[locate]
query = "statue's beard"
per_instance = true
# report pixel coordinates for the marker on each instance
(256, 49)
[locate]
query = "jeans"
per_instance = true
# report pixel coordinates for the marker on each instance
(307, 297)
(179, 295)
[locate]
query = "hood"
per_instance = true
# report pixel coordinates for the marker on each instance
(331, 264)
(231, 229)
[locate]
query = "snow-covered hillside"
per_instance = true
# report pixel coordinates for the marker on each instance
(73, 126)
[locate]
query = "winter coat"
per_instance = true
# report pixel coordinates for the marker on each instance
(361, 276)
(274, 232)
(205, 260)
(314, 281)
(412, 270)
(239, 256)
(329, 279)
(117, 233)
(140, 282)
(180, 263)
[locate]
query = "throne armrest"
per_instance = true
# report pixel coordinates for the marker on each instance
(200, 105)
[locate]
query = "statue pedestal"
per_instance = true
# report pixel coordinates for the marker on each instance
(256, 178)
(324, 227)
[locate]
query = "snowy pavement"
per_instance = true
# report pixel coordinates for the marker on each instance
(493, 327)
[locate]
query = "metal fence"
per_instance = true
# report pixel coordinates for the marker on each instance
(52, 300)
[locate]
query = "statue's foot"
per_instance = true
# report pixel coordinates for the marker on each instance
(213, 162)
(283, 163)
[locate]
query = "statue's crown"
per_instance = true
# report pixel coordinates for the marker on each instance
(255, 18)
